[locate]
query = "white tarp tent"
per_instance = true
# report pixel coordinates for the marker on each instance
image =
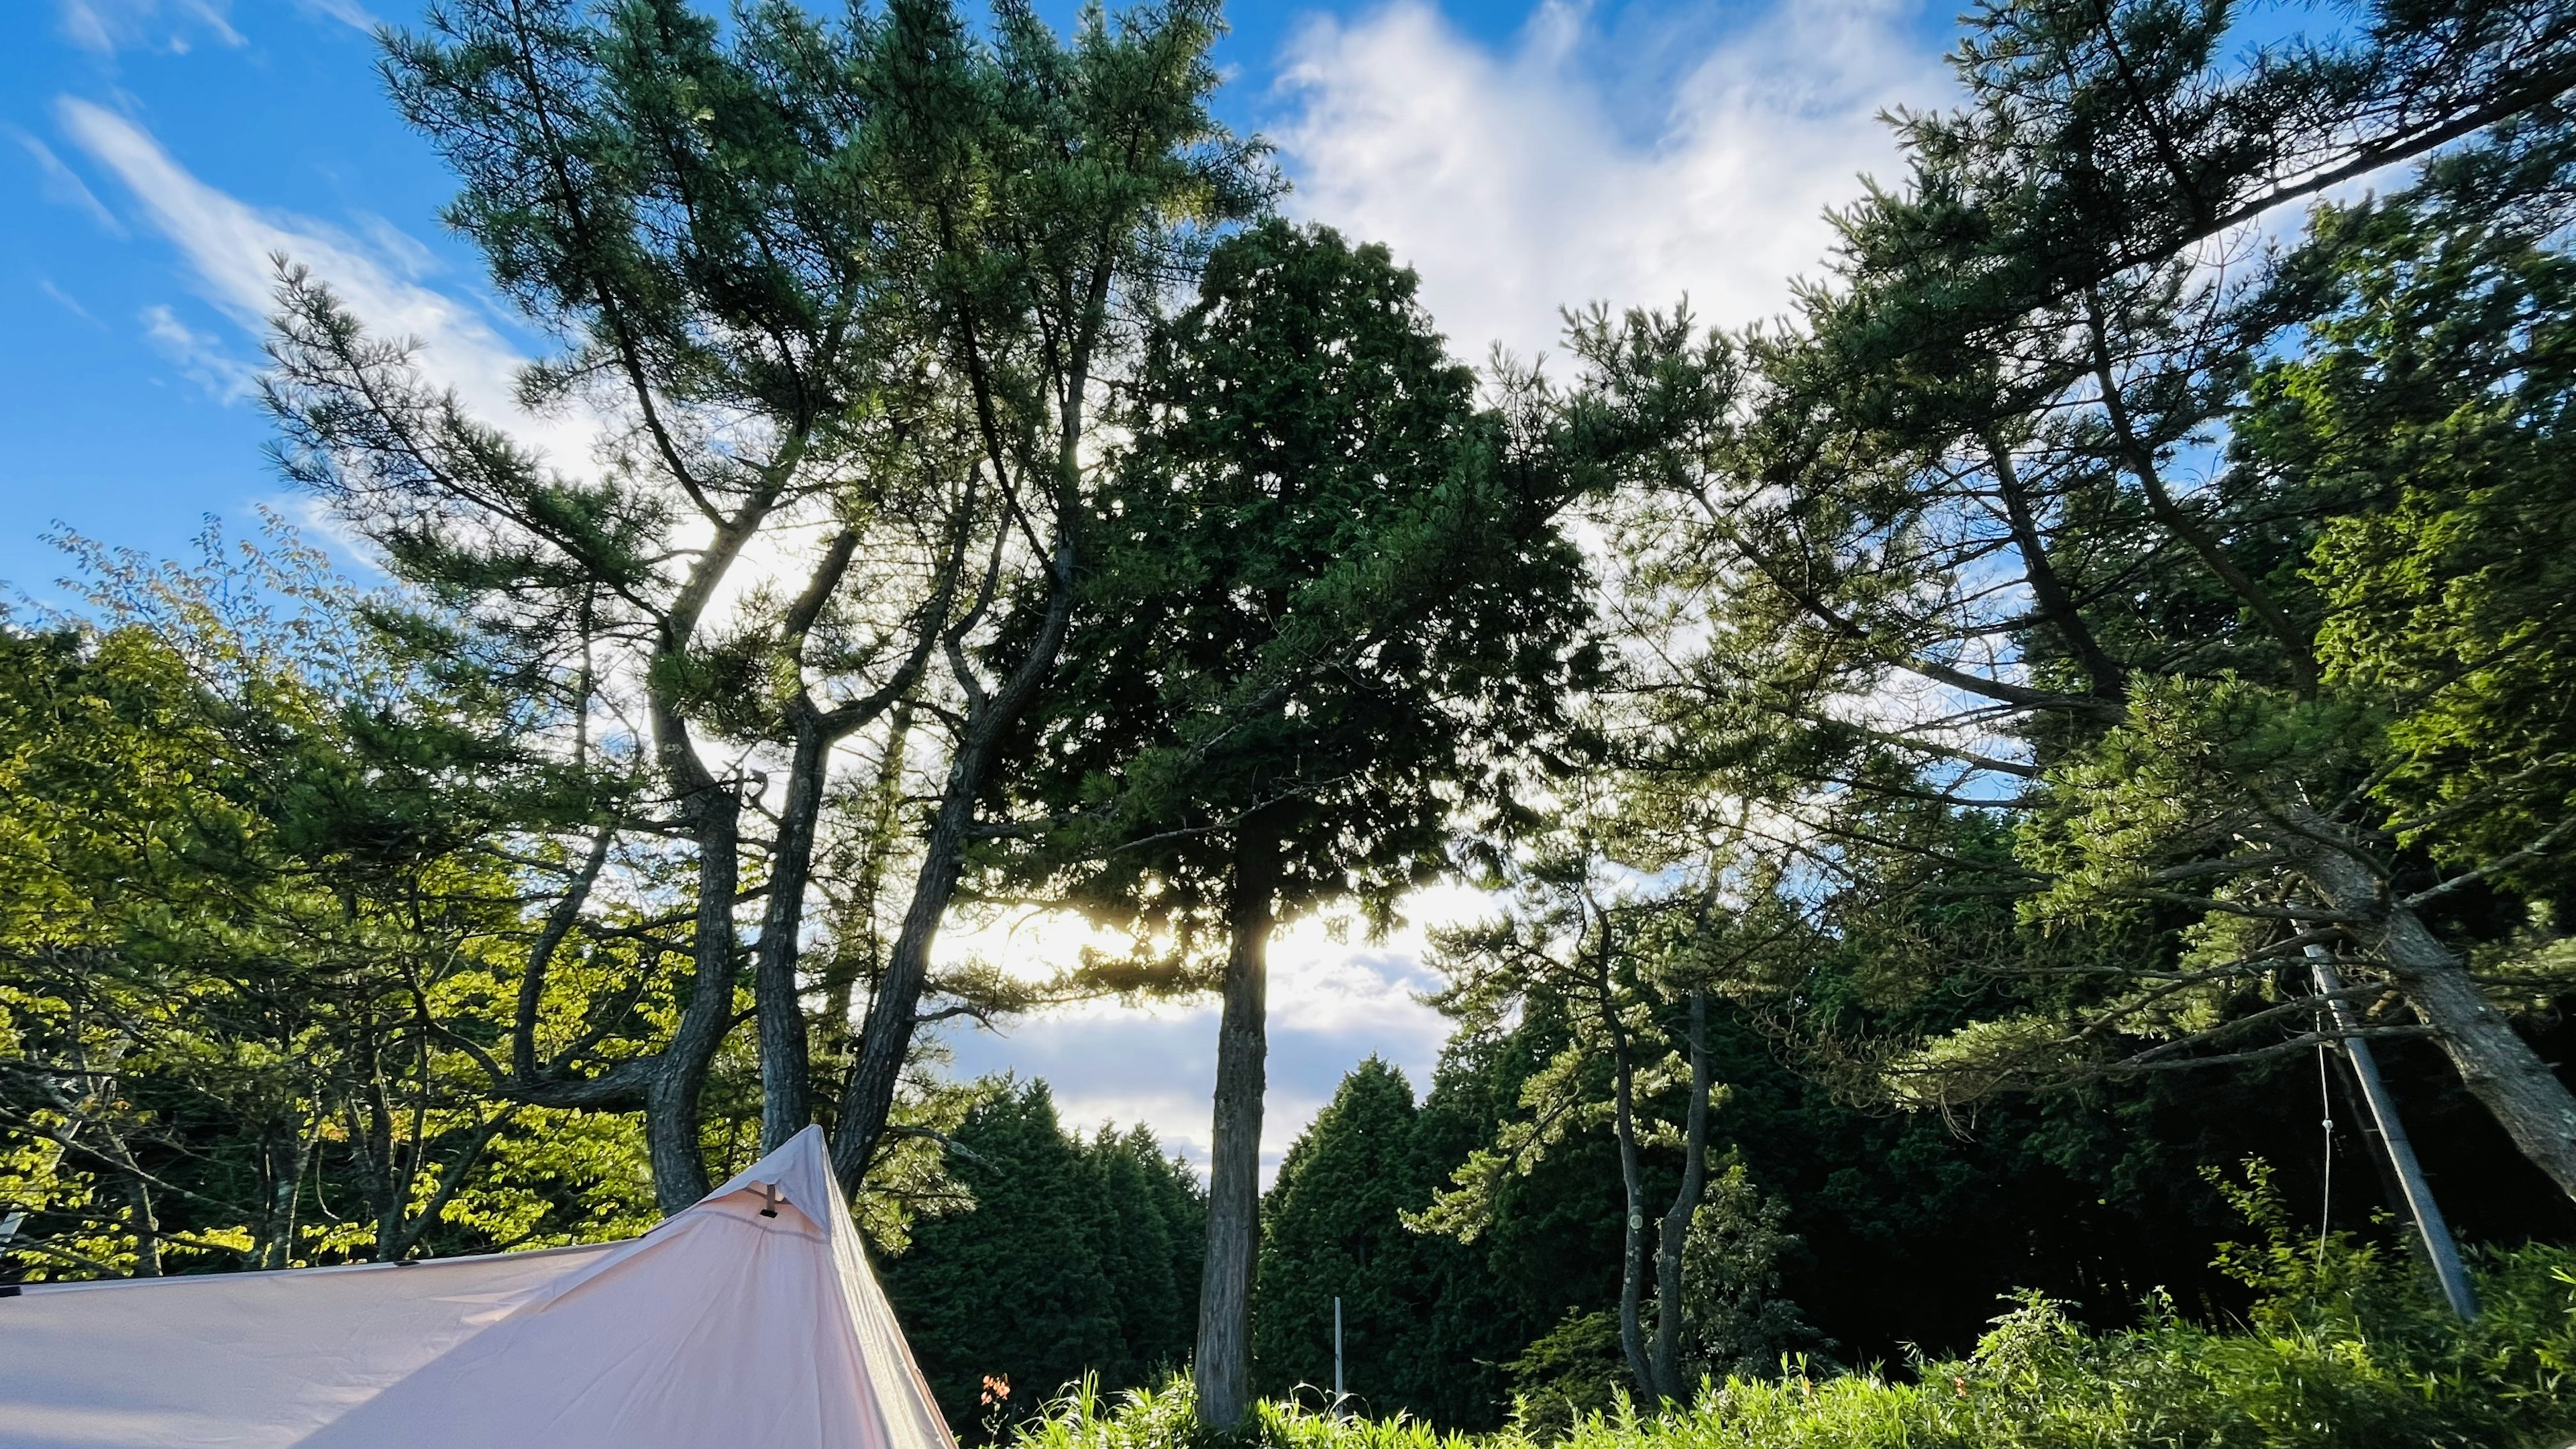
(722, 1326)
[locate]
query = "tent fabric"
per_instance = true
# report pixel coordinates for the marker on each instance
(720, 1326)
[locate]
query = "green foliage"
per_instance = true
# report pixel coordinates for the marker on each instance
(1567, 1374)
(2432, 403)
(1072, 1257)
(2358, 1354)
(260, 922)
(1327, 594)
(1733, 1266)
(1332, 1226)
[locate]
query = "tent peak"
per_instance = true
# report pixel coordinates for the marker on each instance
(800, 1169)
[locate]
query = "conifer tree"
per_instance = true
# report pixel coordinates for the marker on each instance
(1332, 1228)
(1071, 1259)
(1328, 605)
(837, 300)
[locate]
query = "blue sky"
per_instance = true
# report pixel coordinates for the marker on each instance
(1521, 156)
(121, 391)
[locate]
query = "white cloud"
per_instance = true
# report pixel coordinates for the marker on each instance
(63, 186)
(200, 357)
(110, 25)
(1332, 1003)
(1516, 183)
(1510, 182)
(347, 12)
(69, 302)
(230, 246)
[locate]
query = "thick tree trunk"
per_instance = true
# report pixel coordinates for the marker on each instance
(2497, 1066)
(1675, 1231)
(679, 1078)
(1222, 1368)
(785, 1107)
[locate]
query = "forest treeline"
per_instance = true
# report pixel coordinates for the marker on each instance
(1959, 768)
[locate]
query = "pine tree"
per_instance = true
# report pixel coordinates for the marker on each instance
(1329, 600)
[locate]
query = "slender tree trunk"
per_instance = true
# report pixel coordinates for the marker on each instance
(560, 920)
(1676, 1225)
(2497, 1066)
(785, 1107)
(147, 1226)
(278, 1251)
(867, 889)
(2178, 521)
(867, 1099)
(1632, 1226)
(2047, 590)
(886, 1039)
(1222, 1368)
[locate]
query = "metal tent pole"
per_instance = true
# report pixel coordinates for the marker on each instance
(2439, 1247)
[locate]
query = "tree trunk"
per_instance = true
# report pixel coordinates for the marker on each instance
(867, 891)
(1221, 1370)
(2048, 590)
(2497, 1066)
(784, 1072)
(1632, 1222)
(147, 1226)
(867, 1099)
(288, 1159)
(671, 1105)
(1675, 1232)
(2177, 520)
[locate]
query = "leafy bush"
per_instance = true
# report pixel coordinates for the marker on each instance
(2348, 1347)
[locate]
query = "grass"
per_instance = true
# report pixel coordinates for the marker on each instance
(2347, 1347)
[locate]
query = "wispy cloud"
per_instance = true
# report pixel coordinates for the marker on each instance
(106, 26)
(347, 12)
(230, 247)
(69, 302)
(1522, 181)
(200, 356)
(62, 185)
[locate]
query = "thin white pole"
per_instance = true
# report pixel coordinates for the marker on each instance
(2438, 1245)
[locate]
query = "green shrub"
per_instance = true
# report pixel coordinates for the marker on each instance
(2347, 1347)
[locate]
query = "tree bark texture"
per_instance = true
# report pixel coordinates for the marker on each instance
(1221, 1370)
(2497, 1066)
(785, 1107)
(1632, 1180)
(672, 1110)
(1675, 1231)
